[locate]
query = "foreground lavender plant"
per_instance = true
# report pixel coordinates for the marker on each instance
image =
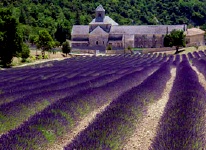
(183, 122)
(190, 56)
(196, 54)
(177, 60)
(111, 128)
(201, 65)
(63, 115)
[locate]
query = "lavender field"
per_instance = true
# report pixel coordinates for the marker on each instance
(150, 101)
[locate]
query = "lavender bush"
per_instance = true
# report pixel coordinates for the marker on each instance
(182, 124)
(63, 115)
(110, 129)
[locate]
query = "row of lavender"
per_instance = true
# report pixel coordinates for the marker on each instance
(63, 115)
(184, 129)
(182, 125)
(17, 111)
(25, 88)
(67, 73)
(111, 128)
(134, 63)
(75, 66)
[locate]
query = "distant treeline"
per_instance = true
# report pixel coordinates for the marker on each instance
(58, 16)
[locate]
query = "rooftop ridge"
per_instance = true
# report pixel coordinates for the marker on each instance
(100, 8)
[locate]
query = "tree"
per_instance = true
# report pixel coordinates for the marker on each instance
(11, 41)
(175, 38)
(44, 41)
(129, 48)
(25, 52)
(66, 48)
(109, 47)
(60, 34)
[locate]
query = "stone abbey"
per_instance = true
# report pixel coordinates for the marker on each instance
(103, 31)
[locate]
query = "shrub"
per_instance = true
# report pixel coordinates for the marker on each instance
(109, 47)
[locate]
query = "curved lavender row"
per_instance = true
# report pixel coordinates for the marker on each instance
(25, 105)
(23, 87)
(33, 78)
(63, 115)
(177, 60)
(184, 57)
(10, 87)
(190, 56)
(182, 124)
(20, 88)
(12, 75)
(201, 65)
(196, 54)
(111, 128)
(201, 53)
(34, 89)
(46, 98)
(171, 58)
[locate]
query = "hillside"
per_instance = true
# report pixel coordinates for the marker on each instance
(62, 14)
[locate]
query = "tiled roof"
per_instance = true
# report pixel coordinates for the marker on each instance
(107, 20)
(145, 29)
(142, 29)
(80, 30)
(100, 8)
(98, 31)
(194, 31)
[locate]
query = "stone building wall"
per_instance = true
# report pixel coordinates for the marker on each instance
(195, 40)
(98, 40)
(76, 45)
(80, 37)
(148, 41)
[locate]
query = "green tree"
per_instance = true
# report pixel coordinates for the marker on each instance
(11, 41)
(44, 41)
(25, 52)
(33, 38)
(175, 38)
(60, 34)
(109, 47)
(66, 48)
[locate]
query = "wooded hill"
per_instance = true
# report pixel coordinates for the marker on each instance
(58, 16)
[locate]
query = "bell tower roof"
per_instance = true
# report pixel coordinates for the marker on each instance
(100, 8)
(99, 14)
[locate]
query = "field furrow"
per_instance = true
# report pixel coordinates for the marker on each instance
(67, 138)
(182, 125)
(146, 129)
(111, 128)
(131, 102)
(64, 115)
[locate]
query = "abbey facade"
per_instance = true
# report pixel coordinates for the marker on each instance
(104, 31)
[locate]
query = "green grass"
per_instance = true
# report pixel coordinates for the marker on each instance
(137, 49)
(10, 122)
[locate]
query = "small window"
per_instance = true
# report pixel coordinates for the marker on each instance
(96, 42)
(103, 42)
(100, 15)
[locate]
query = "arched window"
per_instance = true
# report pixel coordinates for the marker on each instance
(100, 15)
(96, 42)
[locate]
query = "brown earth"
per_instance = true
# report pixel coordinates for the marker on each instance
(83, 124)
(146, 129)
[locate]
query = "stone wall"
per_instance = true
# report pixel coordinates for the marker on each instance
(75, 45)
(98, 40)
(80, 38)
(148, 41)
(195, 40)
